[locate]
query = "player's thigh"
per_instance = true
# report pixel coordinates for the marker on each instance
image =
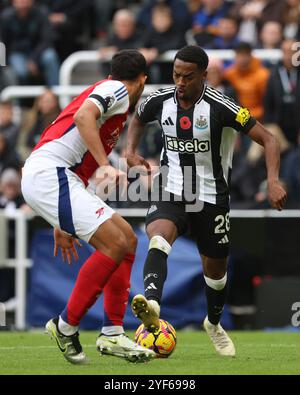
(126, 228)
(166, 219)
(210, 228)
(88, 211)
(40, 189)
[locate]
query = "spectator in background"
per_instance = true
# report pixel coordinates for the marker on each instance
(215, 79)
(123, 36)
(249, 175)
(227, 33)
(10, 191)
(180, 14)
(45, 110)
(291, 19)
(161, 37)
(249, 79)
(206, 20)
(8, 156)
(8, 128)
(282, 98)
(254, 14)
(26, 32)
(270, 35)
(102, 13)
(4, 4)
(68, 19)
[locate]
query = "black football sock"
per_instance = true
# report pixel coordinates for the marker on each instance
(215, 303)
(155, 274)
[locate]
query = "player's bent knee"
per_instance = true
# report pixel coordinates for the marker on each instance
(119, 244)
(131, 241)
(160, 243)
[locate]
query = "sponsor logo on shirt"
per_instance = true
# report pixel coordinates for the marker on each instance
(113, 138)
(186, 146)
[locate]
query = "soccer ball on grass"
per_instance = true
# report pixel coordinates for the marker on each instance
(162, 342)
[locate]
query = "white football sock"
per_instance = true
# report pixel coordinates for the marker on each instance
(112, 330)
(65, 328)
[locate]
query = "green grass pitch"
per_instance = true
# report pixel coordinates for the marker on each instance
(257, 353)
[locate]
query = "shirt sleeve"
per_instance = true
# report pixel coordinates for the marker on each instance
(149, 108)
(111, 97)
(235, 116)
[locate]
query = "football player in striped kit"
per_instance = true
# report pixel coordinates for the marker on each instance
(199, 125)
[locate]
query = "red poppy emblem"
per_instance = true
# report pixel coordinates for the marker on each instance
(185, 123)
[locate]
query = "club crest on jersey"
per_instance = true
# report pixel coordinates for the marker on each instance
(201, 123)
(110, 100)
(243, 116)
(185, 123)
(186, 146)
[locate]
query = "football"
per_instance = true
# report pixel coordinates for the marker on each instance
(162, 342)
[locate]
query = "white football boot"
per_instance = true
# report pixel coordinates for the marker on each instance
(147, 311)
(121, 346)
(69, 345)
(221, 341)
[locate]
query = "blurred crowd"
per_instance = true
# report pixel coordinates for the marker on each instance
(40, 34)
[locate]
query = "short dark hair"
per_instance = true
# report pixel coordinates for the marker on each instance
(128, 64)
(243, 47)
(193, 54)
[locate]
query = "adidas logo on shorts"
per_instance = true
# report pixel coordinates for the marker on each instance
(224, 240)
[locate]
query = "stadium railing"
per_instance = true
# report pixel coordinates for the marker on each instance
(67, 67)
(21, 262)
(66, 90)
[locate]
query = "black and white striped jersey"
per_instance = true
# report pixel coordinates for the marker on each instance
(198, 142)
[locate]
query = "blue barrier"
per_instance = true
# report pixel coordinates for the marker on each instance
(52, 281)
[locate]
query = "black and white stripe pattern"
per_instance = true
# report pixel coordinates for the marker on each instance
(197, 141)
(154, 95)
(222, 99)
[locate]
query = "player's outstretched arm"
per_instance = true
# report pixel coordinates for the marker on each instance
(86, 122)
(276, 192)
(134, 134)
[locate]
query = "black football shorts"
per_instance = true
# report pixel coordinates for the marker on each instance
(209, 227)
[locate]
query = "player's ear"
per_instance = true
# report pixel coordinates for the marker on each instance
(109, 77)
(204, 75)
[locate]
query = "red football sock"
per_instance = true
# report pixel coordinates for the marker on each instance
(90, 282)
(116, 293)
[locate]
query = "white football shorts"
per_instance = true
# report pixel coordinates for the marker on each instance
(60, 197)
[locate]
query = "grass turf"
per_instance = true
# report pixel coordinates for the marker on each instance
(257, 353)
